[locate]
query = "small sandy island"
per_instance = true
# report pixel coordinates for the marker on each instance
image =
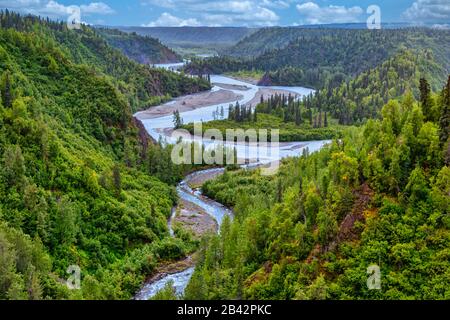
(231, 86)
(190, 102)
(194, 219)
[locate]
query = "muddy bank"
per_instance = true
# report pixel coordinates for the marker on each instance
(174, 267)
(192, 218)
(191, 102)
(231, 86)
(197, 180)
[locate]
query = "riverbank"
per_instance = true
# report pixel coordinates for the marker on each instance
(193, 219)
(196, 214)
(252, 77)
(232, 87)
(289, 132)
(190, 102)
(222, 94)
(196, 211)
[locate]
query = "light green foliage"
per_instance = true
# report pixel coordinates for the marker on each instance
(167, 293)
(377, 196)
(75, 187)
(145, 50)
(324, 58)
(288, 131)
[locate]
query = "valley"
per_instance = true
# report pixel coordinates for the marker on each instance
(194, 197)
(114, 162)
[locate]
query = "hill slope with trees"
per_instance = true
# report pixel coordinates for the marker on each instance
(197, 37)
(314, 57)
(145, 50)
(377, 197)
(75, 187)
(142, 85)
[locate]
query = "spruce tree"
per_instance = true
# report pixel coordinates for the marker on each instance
(117, 179)
(297, 116)
(444, 121)
(425, 103)
(6, 90)
(177, 121)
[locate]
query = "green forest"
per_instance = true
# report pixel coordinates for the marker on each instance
(78, 183)
(83, 183)
(145, 50)
(291, 117)
(379, 195)
(320, 58)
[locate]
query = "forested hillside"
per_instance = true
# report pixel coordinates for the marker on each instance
(185, 37)
(278, 38)
(266, 39)
(142, 85)
(314, 58)
(362, 98)
(294, 120)
(378, 196)
(75, 187)
(357, 71)
(142, 49)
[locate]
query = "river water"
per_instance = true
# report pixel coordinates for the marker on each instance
(155, 127)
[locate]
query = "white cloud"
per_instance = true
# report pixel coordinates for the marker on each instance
(261, 17)
(161, 3)
(276, 4)
(314, 14)
(222, 12)
(168, 20)
(54, 9)
(10, 4)
(225, 6)
(444, 26)
(428, 10)
(96, 8)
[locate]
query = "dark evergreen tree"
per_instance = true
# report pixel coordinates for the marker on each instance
(444, 121)
(425, 103)
(117, 179)
(6, 90)
(177, 121)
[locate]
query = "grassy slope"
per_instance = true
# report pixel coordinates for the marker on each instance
(288, 131)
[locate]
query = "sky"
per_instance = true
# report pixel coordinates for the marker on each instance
(250, 13)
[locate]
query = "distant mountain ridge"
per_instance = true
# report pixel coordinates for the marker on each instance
(271, 38)
(191, 36)
(142, 49)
